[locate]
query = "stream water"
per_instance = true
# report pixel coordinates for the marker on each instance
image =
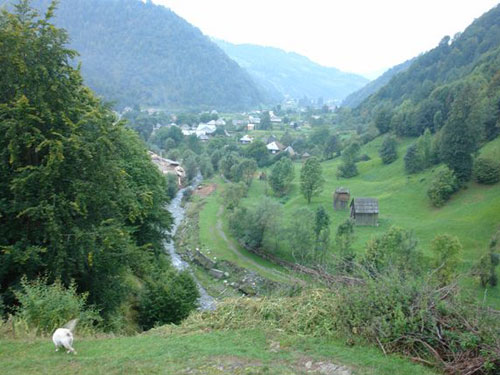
(206, 302)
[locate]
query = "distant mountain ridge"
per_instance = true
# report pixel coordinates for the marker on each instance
(288, 73)
(135, 52)
(355, 99)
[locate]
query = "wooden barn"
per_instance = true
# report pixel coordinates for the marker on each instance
(341, 198)
(364, 211)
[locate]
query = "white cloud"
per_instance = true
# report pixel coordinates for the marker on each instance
(357, 36)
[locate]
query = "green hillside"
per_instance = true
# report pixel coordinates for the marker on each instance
(357, 97)
(422, 96)
(135, 52)
(472, 215)
(288, 73)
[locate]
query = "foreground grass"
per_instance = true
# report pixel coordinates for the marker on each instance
(216, 352)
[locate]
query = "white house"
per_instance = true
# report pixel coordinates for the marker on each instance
(275, 147)
(246, 139)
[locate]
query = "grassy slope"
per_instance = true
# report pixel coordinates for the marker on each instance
(217, 352)
(220, 248)
(472, 214)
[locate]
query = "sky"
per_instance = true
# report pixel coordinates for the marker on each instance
(359, 36)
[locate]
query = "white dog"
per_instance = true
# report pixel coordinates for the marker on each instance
(64, 336)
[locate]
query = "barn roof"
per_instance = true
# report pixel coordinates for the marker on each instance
(365, 205)
(342, 190)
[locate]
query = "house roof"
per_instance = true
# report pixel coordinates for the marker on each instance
(206, 128)
(365, 205)
(342, 190)
(246, 138)
(275, 146)
(290, 150)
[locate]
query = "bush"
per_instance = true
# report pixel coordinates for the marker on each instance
(443, 185)
(169, 298)
(363, 157)
(347, 170)
(414, 317)
(486, 171)
(46, 307)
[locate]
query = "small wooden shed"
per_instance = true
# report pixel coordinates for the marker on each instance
(365, 211)
(341, 198)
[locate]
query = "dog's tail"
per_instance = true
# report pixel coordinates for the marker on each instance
(71, 325)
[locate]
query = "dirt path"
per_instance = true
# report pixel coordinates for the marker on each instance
(235, 250)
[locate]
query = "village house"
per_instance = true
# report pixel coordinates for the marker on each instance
(168, 166)
(275, 147)
(253, 120)
(250, 127)
(365, 211)
(290, 151)
(274, 118)
(246, 139)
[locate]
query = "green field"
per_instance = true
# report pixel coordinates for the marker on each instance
(473, 214)
(218, 352)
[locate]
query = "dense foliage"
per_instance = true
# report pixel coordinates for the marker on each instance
(452, 91)
(136, 52)
(486, 171)
(443, 185)
(80, 200)
(311, 178)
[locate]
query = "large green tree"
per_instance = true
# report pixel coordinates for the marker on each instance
(281, 176)
(311, 178)
(79, 197)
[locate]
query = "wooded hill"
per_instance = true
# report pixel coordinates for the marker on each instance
(287, 73)
(421, 97)
(140, 53)
(357, 97)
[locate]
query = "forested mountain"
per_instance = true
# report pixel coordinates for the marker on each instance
(288, 73)
(355, 99)
(465, 67)
(140, 53)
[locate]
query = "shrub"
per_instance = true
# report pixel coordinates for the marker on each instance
(45, 307)
(414, 317)
(363, 157)
(486, 171)
(169, 298)
(443, 185)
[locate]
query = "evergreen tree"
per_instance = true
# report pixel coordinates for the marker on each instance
(387, 151)
(458, 138)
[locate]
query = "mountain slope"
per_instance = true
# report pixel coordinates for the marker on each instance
(422, 96)
(140, 53)
(288, 73)
(354, 99)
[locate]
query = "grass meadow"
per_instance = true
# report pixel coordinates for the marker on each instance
(472, 214)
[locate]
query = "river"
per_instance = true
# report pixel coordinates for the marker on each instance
(206, 302)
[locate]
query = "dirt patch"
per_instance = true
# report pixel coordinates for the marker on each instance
(205, 190)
